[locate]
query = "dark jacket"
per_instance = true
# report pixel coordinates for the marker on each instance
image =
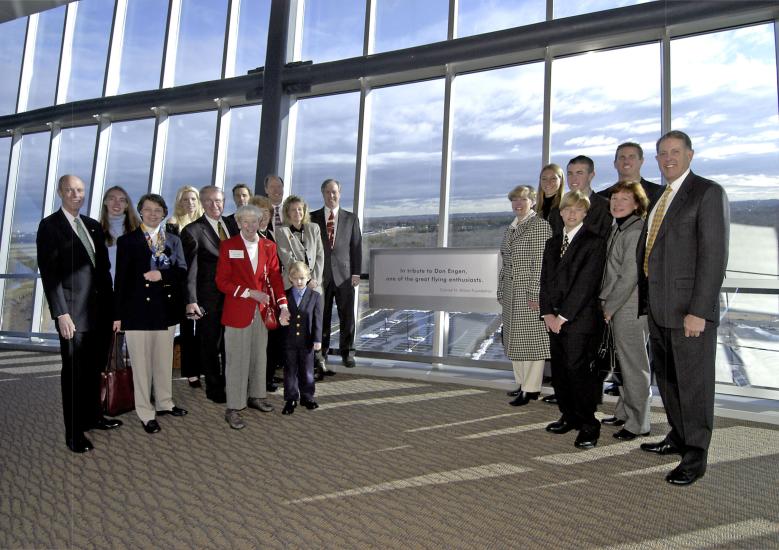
(305, 322)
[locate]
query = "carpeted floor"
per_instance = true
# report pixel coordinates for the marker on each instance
(383, 463)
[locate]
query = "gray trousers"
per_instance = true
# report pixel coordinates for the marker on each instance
(245, 349)
(630, 338)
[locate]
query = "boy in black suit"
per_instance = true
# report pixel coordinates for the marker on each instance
(304, 337)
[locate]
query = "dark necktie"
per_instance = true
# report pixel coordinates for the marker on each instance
(331, 230)
(276, 216)
(565, 246)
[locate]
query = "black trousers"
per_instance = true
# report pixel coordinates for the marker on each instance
(209, 333)
(576, 386)
(190, 352)
(684, 370)
(275, 353)
(82, 362)
(343, 295)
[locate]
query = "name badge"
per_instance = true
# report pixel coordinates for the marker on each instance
(236, 254)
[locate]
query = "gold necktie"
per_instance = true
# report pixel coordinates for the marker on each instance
(221, 231)
(655, 227)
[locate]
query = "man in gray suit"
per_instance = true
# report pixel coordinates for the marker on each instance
(682, 255)
(342, 241)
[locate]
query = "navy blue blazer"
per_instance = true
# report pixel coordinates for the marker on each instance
(305, 321)
(141, 304)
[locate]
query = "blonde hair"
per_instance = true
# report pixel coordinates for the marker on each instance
(298, 267)
(539, 206)
(180, 217)
(575, 199)
(521, 192)
(285, 209)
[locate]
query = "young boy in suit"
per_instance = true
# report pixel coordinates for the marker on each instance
(304, 337)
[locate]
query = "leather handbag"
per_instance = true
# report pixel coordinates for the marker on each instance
(270, 316)
(117, 394)
(606, 362)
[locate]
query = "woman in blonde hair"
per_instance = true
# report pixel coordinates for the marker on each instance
(551, 183)
(186, 209)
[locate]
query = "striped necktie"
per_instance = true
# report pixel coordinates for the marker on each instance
(565, 246)
(331, 230)
(654, 229)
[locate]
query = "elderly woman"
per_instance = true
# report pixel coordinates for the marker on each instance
(117, 217)
(247, 272)
(150, 273)
(525, 340)
(619, 302)
(551, 183)
(299, 241)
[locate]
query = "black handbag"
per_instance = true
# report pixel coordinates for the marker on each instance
(606, 363)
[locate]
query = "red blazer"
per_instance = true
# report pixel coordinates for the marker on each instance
(234, 275)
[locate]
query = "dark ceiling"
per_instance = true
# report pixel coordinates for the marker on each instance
(12, 9)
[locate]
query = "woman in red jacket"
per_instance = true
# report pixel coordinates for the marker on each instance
(247, 273)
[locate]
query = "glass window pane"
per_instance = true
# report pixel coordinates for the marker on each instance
(48, 45)
(5, 155)
(189, 154)
(77, 154)
(406, 23)
(326, 147)
(129, 156)
(242, 149)
(144, 37)
(28, 207)
(333, 29)
(201, 41)
(476, 336)
(17, 303)
(480, 16)
(252, 35)
(12, 35)
(402, 194)
(602, 99)
(567, 8)
(90, 47)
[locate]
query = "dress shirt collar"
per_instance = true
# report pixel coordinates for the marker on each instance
(572, 233)
(334, 211)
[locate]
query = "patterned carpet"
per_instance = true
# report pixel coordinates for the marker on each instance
(383, 463)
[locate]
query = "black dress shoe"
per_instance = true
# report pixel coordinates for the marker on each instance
(523, 398)
(79, 444)
(151, 427)
(309, 404)
(683, 476)
(551, 399)
(107, 424)
(627, 435)
(289, 406)
(175, 411)
(660, 448)
(195, 383)
(612, 421)
(612, 390)
(349, 362)
(271, 387)
(329, 372)
(587, 439)
(560, 427)
(514, 393)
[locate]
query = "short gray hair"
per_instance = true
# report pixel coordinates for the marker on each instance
(248, 211)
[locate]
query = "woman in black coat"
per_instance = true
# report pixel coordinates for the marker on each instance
(150, 274)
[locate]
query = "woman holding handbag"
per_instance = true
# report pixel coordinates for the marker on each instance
(150, 269)
(247, 273)
(619, 301)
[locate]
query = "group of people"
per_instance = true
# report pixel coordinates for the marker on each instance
(220, 279)
(645, 259)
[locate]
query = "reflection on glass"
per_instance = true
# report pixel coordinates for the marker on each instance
(17, 303)
(602, 99)
(129, 156)
(144, 36)
(334, 29)
(326, 147)
(242, 148)
(28, 207)
(189, 155)
(406, 23)
(47, 324)
(11, 48)
(90, 47)
(48, 45)
(748, 340)
(568, 8)
(480, 16)
(476, 336)
(496, 146)
(201, 41)
(252, 35)
(77, 152)
(5, 153)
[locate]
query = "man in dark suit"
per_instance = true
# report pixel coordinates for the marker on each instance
(682, 256)
(241, 196)
(570, 280)
(274, 190)
(75, 271)
(342, 241)
(201, 240)
(581, 172)
(628, 160)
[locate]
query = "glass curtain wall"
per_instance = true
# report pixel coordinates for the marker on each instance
(12, 35)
